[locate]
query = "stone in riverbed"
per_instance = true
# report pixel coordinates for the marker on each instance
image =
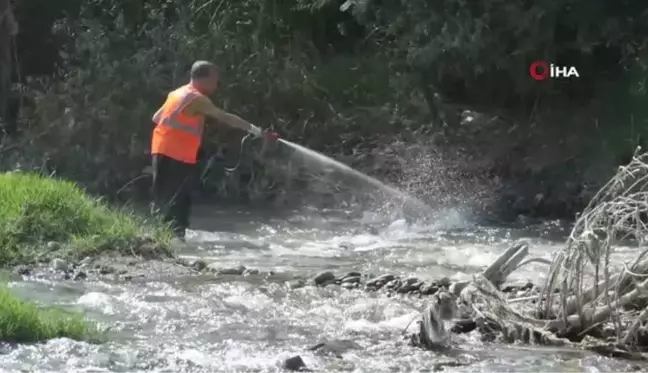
(394, 284)
(295, 363)
(350, 280)
(517, 286)
(380, 281)
(59, 265)
(335, 347)
(79, 275)
(444, 283)
(251, 272)
(23, 270)
(346, 245)
(323, 278)
(458, 287)
(296, 284)
(411, 281)
(198, 265)
(350, 285)
(106, 270)
(410, 285)
(53, 246)
(351, 274)
(429, 289)
(228, 271)
(84, 263)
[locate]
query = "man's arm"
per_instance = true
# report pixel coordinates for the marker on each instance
(203, 105)
(156, 116)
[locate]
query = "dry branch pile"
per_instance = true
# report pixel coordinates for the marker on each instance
(591, 298)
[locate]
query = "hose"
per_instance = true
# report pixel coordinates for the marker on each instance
(238, 161)
(212, 159)
(267, 135)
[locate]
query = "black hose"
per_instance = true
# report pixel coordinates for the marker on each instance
(212, 159)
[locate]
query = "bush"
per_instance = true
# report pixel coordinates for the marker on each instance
(91, 122)
(335, 76)
(37, 210)
(24, 322)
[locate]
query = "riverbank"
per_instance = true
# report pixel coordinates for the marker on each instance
(136, 267)
(50, 223)
(46, 218)
(25, 322)
(229, 318)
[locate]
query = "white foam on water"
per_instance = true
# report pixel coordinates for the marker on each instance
(249, 300)
(473, 255)
(99, 302)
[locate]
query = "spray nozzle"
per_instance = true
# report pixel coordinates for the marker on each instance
(269, 135)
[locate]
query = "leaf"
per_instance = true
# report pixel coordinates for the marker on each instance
(347, 5)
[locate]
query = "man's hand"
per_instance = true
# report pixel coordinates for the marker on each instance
(255, 131)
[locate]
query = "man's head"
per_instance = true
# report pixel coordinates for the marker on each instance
(205, 76)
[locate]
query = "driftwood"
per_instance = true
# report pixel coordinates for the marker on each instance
(589, 298)
(592, 289)
(444, 306)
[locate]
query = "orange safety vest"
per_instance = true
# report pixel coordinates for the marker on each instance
(176, 134)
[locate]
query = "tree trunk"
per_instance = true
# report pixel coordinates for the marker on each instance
(8, 28)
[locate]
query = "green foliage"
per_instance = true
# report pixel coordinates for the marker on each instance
(478, 52)
(37, 210)
(25, 322)
(118, 73)
(330, 74)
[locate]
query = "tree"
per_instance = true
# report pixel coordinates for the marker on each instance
(8, 30)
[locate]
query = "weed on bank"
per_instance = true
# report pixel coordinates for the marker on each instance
(41, 214)
(25, 322)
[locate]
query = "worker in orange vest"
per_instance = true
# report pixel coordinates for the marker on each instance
(177, 139)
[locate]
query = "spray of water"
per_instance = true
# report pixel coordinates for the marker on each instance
(412, 201)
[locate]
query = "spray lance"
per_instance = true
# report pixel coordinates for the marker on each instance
(267, 136)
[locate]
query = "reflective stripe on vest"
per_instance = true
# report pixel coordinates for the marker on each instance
(173, 121)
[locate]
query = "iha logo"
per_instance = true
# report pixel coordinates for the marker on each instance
(542, 70)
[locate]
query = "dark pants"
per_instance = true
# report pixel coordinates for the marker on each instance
(173, 183)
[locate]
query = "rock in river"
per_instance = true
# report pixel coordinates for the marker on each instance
(59, 265)
(79, 275)
(229, 271)
(429, 289)
(296, 284)
(335, 347)
(295, 363)
(323, 278)
(53, 246)
(251, 272)
(380, 281)
(198, 265)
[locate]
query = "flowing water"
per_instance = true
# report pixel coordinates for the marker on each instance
(248, 324)
(245, 324)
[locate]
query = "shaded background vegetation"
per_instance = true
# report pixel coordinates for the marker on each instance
(355, 79)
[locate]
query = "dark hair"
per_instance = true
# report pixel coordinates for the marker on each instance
(203, 69)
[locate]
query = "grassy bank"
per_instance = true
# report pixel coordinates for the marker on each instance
(25, 322)
(43, 216)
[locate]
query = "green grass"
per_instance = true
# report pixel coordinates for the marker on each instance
(25, 322)
(36, 210)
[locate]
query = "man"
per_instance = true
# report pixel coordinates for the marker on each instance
(177, 139)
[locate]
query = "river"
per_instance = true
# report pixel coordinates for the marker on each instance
(244, 324)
